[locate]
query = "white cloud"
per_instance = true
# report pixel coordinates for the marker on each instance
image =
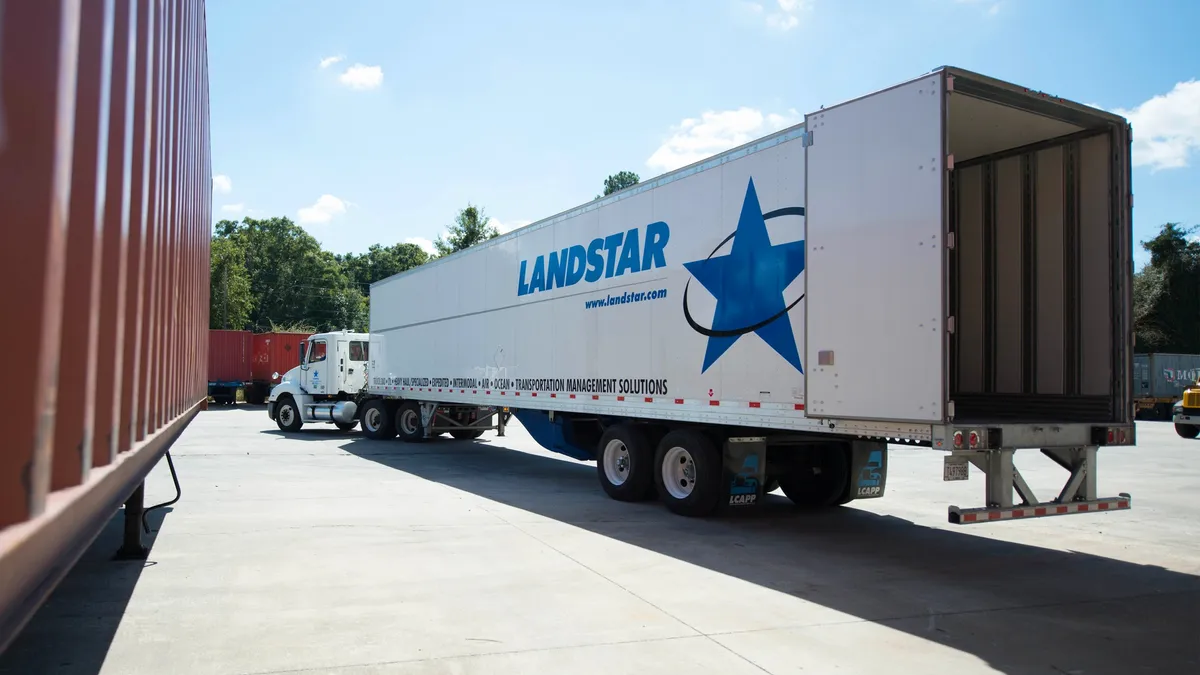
(714, 132)
(322, 212)
(330, 60)
(509, 226)
(783, 15)
(233, 208)
(425, 244)
(1166, 128)
(222, 184)
(359, 76)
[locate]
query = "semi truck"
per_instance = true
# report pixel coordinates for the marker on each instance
(1185, 413)
(945, 263)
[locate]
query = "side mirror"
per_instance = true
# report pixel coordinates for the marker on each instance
(275, 375)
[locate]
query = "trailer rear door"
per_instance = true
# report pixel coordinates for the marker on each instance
(874, 306)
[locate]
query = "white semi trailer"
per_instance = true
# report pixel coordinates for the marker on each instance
(945, 263)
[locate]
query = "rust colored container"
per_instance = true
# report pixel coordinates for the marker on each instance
(106, 182)
(229, 355)
(273, 353)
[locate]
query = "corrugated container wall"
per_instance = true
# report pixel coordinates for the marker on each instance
(105, 182)
(275, 353)
(229, 355)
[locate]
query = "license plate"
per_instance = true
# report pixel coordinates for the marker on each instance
(956, 468)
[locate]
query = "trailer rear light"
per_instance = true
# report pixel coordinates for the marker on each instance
(1112, 436)
(958, 439)
(973, 438)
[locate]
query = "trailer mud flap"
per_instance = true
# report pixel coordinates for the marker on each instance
(743, 466)
(868, 469)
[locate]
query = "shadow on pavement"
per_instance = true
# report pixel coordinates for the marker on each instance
(1020, 608)
(73, 630)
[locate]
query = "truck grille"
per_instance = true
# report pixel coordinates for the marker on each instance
(1191, 399)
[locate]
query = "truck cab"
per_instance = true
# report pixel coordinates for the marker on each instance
(1186, 412)
(327, 384)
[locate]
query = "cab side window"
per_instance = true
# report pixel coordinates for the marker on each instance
(318, 352)
(358, 351)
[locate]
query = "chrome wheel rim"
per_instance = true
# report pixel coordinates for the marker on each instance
(616, 462)
(679, 472)
(286, 414)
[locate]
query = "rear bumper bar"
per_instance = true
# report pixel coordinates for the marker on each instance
(985, 515)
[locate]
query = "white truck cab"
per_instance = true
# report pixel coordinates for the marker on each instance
(326, 385)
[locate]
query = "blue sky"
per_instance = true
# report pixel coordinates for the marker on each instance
(374, 121)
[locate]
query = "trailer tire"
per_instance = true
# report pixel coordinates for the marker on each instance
(466, 435)
(408, 422)
(625, 464)
(287, 415)
(377, 420)
(820, 479)
(687, 473)
(1187, 430)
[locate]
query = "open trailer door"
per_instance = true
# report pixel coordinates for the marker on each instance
(875, 300)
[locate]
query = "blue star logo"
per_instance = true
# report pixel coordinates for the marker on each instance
(748, 284)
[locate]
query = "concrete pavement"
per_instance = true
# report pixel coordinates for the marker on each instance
(325, 552)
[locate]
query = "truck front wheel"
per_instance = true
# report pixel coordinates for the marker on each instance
(688, 473)
(376, 422)
(1187, 430)
(819, 478)
(625, 464)
(287, 415)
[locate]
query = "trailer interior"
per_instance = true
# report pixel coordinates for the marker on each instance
(1039, 266)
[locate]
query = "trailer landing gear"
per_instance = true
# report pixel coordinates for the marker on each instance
(132, 547)
(1078, 495)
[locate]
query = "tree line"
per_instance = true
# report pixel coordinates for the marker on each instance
(1166, 293)
(271, 275)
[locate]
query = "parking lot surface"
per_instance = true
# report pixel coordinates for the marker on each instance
(326, 552)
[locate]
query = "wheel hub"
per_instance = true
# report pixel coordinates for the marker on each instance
(408, 422)
(616, 462)
(679, 472)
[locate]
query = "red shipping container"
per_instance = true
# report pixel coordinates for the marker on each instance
(275, 353)
(229, 354)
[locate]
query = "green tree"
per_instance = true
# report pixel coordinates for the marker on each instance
(1166, 293)
(230, 297)
(619, 181)
(381, 262)
(292, 280)
(470, 227)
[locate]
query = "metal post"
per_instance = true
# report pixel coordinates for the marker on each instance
(1089, 478)
(1000, 479)
(502, 418)
(131, 546)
